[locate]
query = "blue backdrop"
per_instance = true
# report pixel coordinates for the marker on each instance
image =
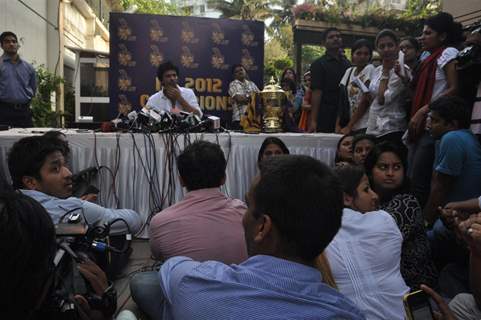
(204, 49)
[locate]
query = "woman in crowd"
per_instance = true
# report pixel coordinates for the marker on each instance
(436, 76)
(365, 254)
(306, 102)
(387, 114)
(386, 168)
(271, 146)
(352, 82)
(289, 81)
(344, 150)
(362, 144)
(411, 49)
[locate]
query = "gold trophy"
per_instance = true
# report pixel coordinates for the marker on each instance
(273, 98)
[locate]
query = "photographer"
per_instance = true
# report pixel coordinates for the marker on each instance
(30, 278)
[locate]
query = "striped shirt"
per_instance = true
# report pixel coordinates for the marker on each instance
(262, 287)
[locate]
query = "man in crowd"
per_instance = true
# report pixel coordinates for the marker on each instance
(326, 73)
(205, 225)
(17, 84)
(294, 211)
(464, 306)
(240, 91)
(457, 167)
(186, 228)
(456, 177)
(172, 97)
(468, 306)
(38, 168)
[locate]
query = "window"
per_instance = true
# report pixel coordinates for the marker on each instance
(92, 89)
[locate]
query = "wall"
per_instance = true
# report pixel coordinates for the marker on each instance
(465, 7)
(30, 29)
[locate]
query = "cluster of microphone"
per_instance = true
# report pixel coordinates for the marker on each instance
(152, 120)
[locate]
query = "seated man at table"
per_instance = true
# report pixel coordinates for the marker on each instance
(172, 97)
(205, 225)
(37, 167)
(294, 211)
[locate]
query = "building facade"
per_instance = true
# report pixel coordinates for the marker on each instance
(466, 11)
(52, 33)
(198, 8)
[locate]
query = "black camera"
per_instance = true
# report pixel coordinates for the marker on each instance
(469, 56)
(77, 243)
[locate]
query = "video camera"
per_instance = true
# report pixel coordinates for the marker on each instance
(76, 243)
(471, 55)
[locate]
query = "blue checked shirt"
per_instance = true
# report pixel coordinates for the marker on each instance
(262, 287)
(93, 213)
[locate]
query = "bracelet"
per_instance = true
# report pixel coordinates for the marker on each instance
(383, 77)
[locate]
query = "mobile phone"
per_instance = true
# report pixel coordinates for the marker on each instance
(417, 306)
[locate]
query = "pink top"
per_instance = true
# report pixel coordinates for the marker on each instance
(205, 225)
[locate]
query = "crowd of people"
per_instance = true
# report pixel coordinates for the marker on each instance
(399, 211)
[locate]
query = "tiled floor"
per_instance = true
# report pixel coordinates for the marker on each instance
(140, 259)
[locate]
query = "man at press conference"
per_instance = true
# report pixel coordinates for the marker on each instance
(17, 84)
(172, 97)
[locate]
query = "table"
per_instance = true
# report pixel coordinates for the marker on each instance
(143, 167)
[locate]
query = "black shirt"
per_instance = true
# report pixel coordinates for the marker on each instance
(326, 73)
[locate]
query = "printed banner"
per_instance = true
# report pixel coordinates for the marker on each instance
(204, 50)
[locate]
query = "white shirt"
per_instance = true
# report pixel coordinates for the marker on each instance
(440, 80)
(93, 213)
(160, 102)
(391, 116)
(242, 88)
(354, 93)
(365, 262)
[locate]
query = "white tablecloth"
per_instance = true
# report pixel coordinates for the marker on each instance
(141, 166)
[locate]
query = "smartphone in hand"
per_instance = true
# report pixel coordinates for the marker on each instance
(417, 306)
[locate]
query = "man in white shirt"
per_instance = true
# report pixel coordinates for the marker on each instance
(37, 167)
(172, 97)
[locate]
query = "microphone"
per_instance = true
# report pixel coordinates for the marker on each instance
(151, 113)
(132, 116)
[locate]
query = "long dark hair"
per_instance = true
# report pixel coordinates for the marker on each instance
(371, 161)
(350, 176)
(285, 71)
(360, 44)
(443, 22)
(337, 159)
(268, 141)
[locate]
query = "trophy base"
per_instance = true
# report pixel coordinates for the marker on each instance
(272, 125)
(252, 130)
(272, 130)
